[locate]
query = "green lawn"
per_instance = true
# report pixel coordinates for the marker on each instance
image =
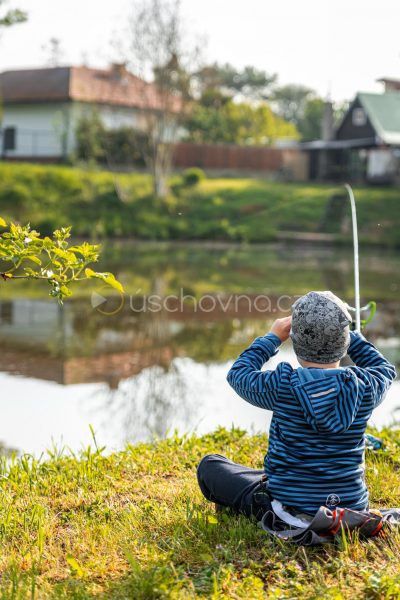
(134, 525)
(246, 209)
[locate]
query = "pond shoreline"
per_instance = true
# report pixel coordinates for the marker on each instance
(224, 210)
(284, 238)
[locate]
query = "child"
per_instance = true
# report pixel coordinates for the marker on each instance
(320, 411)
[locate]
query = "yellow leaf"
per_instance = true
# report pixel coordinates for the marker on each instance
(108, 278)
(75, 567)
(35, 259)
(211, 519)
(114, 283)
(3, 223)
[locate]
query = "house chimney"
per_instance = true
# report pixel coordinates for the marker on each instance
(118, 70)
(327, 122)
(390, 85)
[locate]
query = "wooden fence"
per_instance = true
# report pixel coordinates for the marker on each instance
(291, 163)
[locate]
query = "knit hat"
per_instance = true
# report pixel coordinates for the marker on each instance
(320, 327)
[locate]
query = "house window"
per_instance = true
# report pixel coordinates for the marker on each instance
(359, 117)
(9, 136)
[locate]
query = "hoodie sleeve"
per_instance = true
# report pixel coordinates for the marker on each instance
(371, 367)
(260, 388)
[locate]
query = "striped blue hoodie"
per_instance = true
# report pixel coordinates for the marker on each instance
(316, 442)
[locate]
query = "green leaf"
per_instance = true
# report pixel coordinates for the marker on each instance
(65, 292)
(34, 259)
(114, 283)
(88, 251)
(68, 256)
(108, 278)
(64, 263)
(90, 273)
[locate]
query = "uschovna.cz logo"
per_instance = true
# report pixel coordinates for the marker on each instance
(108, 303)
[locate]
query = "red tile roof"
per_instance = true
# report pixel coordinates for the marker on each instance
(113, 86)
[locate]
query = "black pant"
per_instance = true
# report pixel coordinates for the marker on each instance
(228, 484)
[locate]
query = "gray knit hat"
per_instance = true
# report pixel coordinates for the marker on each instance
(320, 327)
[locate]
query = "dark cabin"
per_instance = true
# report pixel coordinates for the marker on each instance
(365, 146)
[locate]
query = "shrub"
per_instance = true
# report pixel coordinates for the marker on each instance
(124, 147)
(90, 135)
(193, 176)
(14, 200)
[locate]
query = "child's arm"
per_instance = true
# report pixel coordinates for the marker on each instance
(371, 367)
(258, 387)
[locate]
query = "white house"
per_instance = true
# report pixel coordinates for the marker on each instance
(41, 107)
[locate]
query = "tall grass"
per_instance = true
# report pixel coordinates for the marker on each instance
(133, 524)
(100, 204)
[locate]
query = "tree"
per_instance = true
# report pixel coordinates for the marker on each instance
(7, 19)
(12, 16)
(249, 83)
(339, 111)
(290, 101)
(237, 123)
(27, 255)
(55, 52)
(310, 122)
(230, 107)
(157, 50)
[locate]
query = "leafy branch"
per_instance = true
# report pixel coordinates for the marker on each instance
(12, 17)
(27, 255)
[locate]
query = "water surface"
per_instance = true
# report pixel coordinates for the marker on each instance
(134, 372)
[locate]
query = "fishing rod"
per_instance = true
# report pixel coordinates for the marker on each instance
(371, 306)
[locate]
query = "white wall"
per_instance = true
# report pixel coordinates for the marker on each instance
(48, 129)
(40, 128)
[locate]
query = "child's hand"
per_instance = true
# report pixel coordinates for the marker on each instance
(281, 328)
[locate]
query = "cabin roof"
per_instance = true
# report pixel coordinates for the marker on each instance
(383, 111)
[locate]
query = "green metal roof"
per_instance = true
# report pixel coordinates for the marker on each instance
(383, 111)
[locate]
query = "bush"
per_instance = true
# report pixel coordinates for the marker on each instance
(124, 147)
(193, 176)
(114, 147)
(90, 134)
(14, 200)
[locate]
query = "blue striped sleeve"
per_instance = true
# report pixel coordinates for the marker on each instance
(260, 388)
(371, 367)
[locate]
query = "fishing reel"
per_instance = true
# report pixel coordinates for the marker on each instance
(370, 308)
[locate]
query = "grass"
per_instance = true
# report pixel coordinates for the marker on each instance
(133, 525)
(100, 204)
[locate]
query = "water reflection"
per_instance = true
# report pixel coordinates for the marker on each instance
(151, 404)
(138, 374)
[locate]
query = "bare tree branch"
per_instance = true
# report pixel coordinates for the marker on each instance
(158, 53)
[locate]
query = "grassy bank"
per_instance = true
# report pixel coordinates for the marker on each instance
(134, 525)
(99, 204)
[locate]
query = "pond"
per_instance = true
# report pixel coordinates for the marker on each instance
(155, 361)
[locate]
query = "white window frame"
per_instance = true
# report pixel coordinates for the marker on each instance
(358, 117)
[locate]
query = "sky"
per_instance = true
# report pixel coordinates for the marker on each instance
(337, 47)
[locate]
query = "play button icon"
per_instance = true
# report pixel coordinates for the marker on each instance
(107, 301)
(97, 299)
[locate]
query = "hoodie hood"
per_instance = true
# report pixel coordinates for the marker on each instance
(330, 398)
